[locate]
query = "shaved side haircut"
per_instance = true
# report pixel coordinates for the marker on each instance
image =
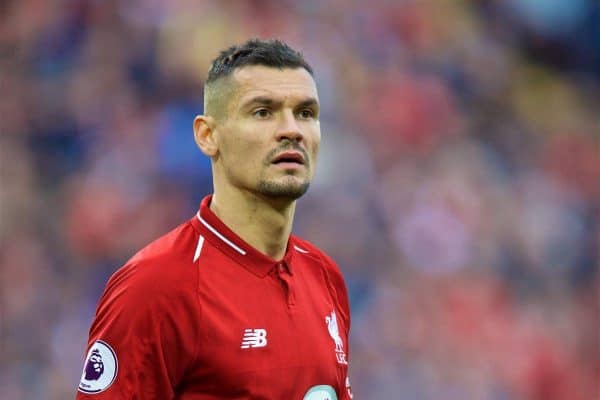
(269, 53)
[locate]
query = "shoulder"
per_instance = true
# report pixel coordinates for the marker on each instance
(310, 250)
(163, 266)
(332, 272)
(176, 245)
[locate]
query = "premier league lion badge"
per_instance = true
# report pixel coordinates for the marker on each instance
(100, 369)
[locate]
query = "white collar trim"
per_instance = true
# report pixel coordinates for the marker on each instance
(301, 250)
(223, 238)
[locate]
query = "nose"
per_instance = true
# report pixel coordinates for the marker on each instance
(288, 128)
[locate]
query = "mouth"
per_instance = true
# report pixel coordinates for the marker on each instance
(289, 158)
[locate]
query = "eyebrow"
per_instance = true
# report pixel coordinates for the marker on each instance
(310, 102)
(268, 101)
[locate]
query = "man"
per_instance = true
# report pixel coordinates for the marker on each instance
(230, 305)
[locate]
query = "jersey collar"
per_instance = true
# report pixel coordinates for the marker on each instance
(235, 247)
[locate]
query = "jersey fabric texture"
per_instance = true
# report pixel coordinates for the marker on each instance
(200, 314)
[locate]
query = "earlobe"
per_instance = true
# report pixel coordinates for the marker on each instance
(204, 129)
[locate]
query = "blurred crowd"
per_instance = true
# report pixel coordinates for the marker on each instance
(458, 185)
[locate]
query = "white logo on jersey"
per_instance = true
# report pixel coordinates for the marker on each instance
(100, 369)
(254, 338)
(332, 327)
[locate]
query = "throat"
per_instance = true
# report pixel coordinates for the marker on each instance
(272, 233)
(262, 225)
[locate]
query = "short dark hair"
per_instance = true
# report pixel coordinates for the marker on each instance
(270, 53)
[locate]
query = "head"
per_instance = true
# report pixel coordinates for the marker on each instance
(261, 122)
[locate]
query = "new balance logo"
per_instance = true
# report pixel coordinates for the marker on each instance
(254, 338)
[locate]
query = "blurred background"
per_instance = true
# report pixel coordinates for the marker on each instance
(458, 187)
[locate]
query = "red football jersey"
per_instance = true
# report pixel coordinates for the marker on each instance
(200, 314)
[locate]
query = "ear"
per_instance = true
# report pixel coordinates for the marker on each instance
(204, 135)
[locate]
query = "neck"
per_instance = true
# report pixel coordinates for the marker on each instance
(263, 223)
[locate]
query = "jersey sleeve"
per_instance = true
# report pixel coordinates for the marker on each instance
(340, 291)
(340, 294)
(143, 337)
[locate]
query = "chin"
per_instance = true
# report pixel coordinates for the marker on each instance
(283, 190)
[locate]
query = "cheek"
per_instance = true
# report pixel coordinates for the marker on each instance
(241, 153)
(316, 142)
(235, 144)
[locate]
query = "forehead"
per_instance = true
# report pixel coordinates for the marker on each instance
(281, 84)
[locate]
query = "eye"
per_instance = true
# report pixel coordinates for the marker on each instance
(306, 113)
(261, 113)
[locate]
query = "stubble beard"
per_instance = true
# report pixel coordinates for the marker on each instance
(282, 190)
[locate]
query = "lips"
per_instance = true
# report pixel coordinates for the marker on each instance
(289, 157)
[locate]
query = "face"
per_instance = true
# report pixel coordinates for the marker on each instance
(269, 139)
